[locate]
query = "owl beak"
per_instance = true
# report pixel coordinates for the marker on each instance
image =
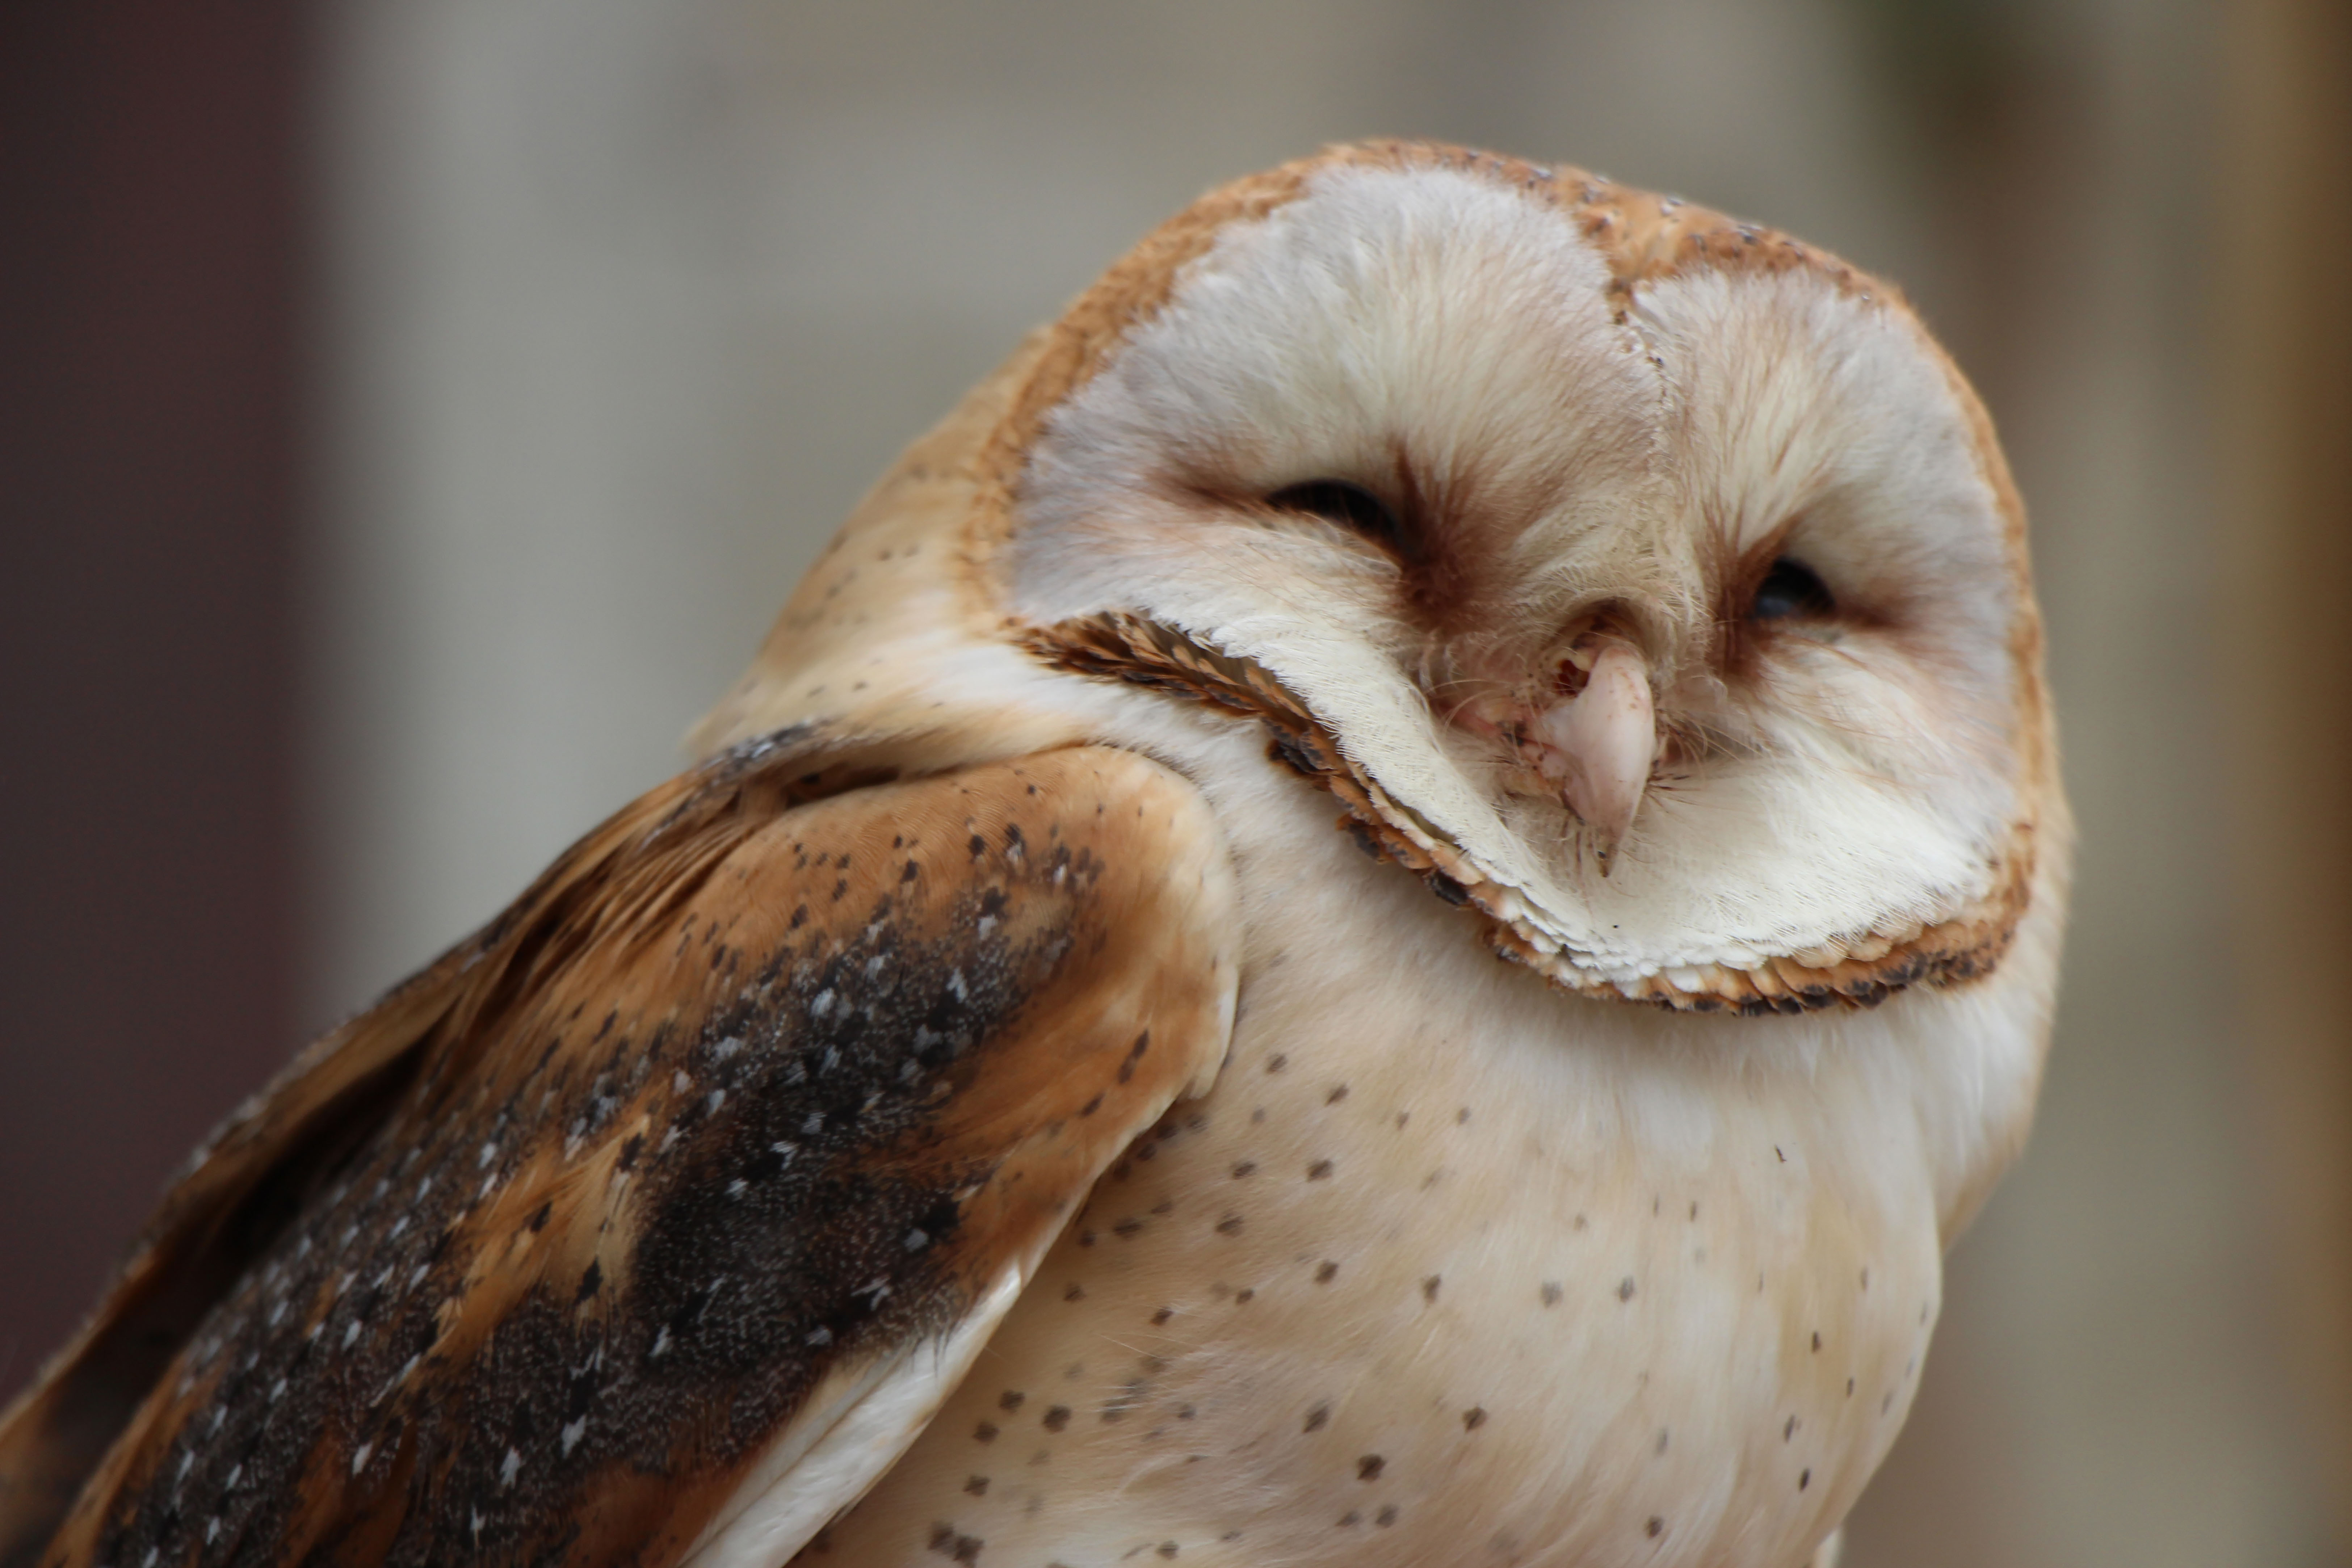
(1598, 745)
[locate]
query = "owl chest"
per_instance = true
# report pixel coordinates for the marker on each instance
(1448, 1267)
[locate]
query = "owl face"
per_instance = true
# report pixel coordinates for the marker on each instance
(1656, 579)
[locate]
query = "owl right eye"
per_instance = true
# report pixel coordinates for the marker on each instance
(1791, 591)
(1350, 506)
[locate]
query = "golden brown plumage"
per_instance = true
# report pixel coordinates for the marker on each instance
(655, 1224)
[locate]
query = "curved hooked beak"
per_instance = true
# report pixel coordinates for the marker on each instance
(1598, 745)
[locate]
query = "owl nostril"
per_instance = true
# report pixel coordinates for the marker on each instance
(1606, 626)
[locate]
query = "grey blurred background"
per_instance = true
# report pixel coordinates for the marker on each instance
(412, 412)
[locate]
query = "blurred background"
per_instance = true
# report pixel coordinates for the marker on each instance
(412, 412)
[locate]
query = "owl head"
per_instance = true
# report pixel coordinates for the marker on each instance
(1647, 581)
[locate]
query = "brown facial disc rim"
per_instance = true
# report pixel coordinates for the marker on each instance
(1138, 651)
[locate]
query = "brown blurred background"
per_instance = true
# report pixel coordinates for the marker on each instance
(411, 412)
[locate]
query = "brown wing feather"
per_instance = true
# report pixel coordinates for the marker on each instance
(237, 1192)
(744, 1094)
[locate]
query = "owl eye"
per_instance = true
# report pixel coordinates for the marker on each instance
(1790, 589)
(1350, 506)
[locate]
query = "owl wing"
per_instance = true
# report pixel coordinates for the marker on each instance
(659, 1218)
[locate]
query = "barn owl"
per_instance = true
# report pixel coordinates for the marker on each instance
(1381, 909)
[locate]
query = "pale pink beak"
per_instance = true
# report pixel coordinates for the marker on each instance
(1598, 745)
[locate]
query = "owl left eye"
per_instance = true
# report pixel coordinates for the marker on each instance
(1792, 589)
(1350, 506)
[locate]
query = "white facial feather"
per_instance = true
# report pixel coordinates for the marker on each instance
(1436, 330)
